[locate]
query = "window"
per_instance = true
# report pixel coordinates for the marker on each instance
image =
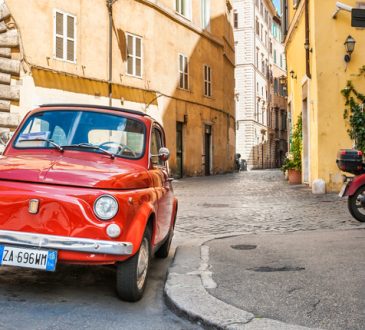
(257, 27)
(206, 13)
(262, 32)
(276, 86)
(156, 145)
(207, 80)
(183, 72)
(235, 20)
(283, 120)
(261, 8)
(183, 7)
(281, 60)
(266, 38)
(275, 60)
(266, 17)
(134, 55)
(64, 36)
(257, 58)
(262, 64)
(84, 131)
(270, 46)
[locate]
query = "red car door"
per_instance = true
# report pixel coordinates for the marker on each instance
(159, 172)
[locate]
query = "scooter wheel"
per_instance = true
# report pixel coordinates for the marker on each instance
(356, 204)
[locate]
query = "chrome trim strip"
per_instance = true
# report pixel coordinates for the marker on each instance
(65, 243)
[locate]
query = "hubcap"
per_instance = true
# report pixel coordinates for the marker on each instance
(143, 261)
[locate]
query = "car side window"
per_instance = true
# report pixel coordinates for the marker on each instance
(156, 145)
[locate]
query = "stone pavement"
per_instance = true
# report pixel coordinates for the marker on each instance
(256, 202)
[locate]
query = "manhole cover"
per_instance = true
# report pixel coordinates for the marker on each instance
(266, 269)
(244, 247)
(215, 205)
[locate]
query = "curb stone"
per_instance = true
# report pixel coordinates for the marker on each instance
(185, 294)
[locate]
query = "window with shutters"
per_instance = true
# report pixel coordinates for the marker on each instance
(64, 36)
(183, 72)
(207, 81)
(134, 55)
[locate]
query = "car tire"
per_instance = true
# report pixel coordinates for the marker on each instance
(132, 273)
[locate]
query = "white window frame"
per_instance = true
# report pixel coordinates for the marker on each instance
(134, 56)
(64, 37)
(208, 89)
(182, 71)
(178, 8)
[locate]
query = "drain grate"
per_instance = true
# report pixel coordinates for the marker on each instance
(244, 247)
(266, 269)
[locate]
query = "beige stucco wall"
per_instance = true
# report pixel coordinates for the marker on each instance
(165, 34)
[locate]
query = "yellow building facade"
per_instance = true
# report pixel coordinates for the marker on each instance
(314, 41)
(173, 59)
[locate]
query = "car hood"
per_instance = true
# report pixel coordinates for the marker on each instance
(99, 172)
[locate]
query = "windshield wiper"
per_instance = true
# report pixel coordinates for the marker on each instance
(90, 146)
(57, 146)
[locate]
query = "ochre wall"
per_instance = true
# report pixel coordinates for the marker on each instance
(328, 130)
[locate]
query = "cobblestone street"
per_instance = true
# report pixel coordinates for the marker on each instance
(254, 202)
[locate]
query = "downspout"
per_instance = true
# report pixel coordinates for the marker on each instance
(109, 4)
(307, 45)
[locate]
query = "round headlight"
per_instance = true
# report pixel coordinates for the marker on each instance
(106, 207)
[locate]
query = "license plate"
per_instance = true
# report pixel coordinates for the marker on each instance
(28, 258)
(343, 189)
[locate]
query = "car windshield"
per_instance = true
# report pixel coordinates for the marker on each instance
(83, 130)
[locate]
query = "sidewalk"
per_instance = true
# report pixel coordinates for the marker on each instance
(299, 263)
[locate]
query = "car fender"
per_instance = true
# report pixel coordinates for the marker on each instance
(138, 225)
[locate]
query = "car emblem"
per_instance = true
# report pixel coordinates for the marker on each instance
(33, 206)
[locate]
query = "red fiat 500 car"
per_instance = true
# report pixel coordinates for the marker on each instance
(87, 184)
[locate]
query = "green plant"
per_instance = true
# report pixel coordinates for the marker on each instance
(294, 157)
(354, 112)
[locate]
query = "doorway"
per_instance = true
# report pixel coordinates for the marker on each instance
(305, 141)
(207, 148)
(179, 150)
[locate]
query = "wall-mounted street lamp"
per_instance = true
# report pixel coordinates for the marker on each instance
(282, 80)
(292, 74)
(350, 46)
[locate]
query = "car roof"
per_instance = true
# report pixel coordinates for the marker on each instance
(94, 106)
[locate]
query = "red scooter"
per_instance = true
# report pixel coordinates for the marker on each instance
(351, 161)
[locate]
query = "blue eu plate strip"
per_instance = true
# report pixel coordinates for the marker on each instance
(51, 261)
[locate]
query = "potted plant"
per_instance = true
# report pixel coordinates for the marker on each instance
(293, 162)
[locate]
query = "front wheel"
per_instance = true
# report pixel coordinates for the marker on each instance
(132, 273)
(356, 204)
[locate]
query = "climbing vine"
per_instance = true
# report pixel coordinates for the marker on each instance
(354, 112)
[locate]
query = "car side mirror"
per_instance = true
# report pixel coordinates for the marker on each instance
(163, 154)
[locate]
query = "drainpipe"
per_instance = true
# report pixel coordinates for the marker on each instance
(307, 45)
(109, 4)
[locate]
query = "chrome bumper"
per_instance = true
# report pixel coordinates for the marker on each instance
(65, 243)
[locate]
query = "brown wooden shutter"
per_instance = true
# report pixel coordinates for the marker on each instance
(70, 38)
(59, 35)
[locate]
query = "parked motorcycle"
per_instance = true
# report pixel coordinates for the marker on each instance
(351, 161)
